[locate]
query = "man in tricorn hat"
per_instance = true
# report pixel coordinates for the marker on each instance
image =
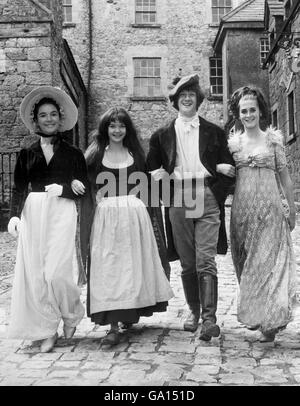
(190, 148)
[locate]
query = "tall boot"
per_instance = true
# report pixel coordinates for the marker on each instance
(191, 291)
(209, 299)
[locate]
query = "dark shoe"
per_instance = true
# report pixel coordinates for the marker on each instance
(69, 331)
(125, 326)
(253, 328)
(209, 296)
(191, 322)
(209, 330)
(48, 344)
(190, 286)
(111, 338)
(268, 336)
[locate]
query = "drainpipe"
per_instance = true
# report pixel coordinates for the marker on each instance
(90, 64)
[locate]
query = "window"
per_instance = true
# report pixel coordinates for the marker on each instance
(147, 77)
(274, 119)
(291, 115)
(145, 11)
(216, 78)
(220, 8)
(67, 7)
(264, 49)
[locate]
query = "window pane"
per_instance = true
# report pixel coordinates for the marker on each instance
(216, 79)
(147, 77)
(68, 13)
(145, 11)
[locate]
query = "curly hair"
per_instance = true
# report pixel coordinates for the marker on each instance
(251, 91)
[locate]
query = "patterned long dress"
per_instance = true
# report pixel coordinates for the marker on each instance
(261, 242)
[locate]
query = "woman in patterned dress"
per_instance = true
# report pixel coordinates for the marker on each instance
(126, 276)
(262, 218)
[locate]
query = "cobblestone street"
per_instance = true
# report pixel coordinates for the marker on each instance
(157, 351)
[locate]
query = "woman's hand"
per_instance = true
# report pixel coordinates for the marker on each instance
(226, 169)
(54, 190)
(77, 187)
(292, 220)
(158, 174)
(13, 226)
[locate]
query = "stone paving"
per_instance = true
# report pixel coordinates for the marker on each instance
(155, 352)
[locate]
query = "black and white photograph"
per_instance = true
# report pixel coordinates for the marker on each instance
(150, 196)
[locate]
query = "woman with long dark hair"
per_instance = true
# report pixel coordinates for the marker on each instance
(126, 278)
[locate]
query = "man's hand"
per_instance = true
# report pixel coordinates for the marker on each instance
(54, 190)
(226, 169)
(13, 226)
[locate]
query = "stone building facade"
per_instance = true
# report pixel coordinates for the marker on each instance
(113, 47)
(242, 43)
(282, 20)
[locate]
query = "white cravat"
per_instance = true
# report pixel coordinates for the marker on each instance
(188, 164)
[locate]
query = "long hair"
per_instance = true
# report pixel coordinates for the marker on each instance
(234, 102)
(96, 150)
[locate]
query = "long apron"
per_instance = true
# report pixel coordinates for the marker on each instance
(44, 289)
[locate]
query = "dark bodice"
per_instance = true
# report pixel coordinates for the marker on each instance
(32, 170)
(114, 181)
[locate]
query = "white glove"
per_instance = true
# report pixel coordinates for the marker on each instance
(77, 187)
(158, 174)
(13, 226)
(54, 190)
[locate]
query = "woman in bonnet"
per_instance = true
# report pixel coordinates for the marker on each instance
(44, 292)
(262, 217)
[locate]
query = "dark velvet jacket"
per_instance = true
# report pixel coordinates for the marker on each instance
(213, 150)
(31, 169)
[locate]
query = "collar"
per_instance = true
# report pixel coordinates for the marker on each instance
(189, 121)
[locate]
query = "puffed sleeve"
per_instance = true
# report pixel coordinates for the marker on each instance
(280, 158)
(20, 186)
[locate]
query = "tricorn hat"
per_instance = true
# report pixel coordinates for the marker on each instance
(185, 82)
(68, 109)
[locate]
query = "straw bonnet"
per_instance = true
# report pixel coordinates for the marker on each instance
(68, 109)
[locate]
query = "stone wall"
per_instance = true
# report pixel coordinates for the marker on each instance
(77, 35)
(29, 58)
(182, 38)
(281, 83)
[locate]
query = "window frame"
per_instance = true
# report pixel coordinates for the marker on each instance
(138, 95)
(145, 12)
(69, 7)
(264, 49)
(217, 8)
(291, 115)
(216, 76)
